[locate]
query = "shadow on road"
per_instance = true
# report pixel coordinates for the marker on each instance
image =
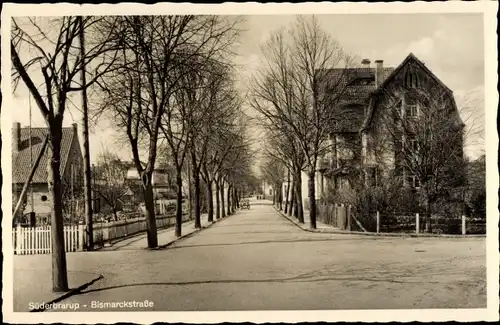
(272, 242)
(260, 223)
(309, 277)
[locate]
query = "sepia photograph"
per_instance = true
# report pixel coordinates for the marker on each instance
(262, 162)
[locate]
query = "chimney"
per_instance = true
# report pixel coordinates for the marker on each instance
(379, 68)
(16, 137)
(365, 63)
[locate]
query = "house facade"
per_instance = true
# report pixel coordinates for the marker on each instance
(380, 114)
(163, 182)
(26, 146)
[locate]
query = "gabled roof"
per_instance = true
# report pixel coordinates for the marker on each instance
(350, 81)
(21, 161)
(357, 85)
(410, 57)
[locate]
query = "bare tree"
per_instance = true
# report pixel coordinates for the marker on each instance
(110, 180)
(159, 53)
(205, 92)
(283, 146)
(224, 138)
(274, 171)
(235, 169)
(296, 89)
(427, 134)
(56, 60)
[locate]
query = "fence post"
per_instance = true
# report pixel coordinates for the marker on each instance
(22, 235)
(19, 239)
(464, 230)
(81, 235)
(378, 222)
(417, 223)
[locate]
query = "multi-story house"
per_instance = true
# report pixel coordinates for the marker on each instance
(26, 149)
(379, 114)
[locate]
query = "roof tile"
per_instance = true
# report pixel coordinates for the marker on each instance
(353, 82)
(21, 161)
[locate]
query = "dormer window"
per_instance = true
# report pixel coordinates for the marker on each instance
(26, 143)
(363, 81)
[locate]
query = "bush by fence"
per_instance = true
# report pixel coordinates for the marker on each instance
(346, 217)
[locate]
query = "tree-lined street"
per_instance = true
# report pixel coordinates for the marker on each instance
(258, 260)
(269, 170)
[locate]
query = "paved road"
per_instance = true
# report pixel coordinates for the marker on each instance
(257, 260)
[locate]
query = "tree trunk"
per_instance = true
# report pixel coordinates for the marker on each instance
(197, 191)
(298, 191)
(222, 198)
(190, 191)
(197, 200)
(150, 213)
(178, 210)
(217, 199)
(428, 214)
(235, 203)
(312, 199)
(59, 268)
(86, 148)
(281, 196)
(295, 201)
(286, 196)
(210, 199)
(292, 198)
(237, 198)
(229, 199)
(114, 213)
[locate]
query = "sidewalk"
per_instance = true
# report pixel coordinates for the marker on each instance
(320, 226)
(166, 236)
(32, 278)
(325, 228)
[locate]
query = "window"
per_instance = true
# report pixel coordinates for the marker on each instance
(413, 144)
(412, 79)
(411, 108)
(413, 181)
(342, 183)
(373, 176)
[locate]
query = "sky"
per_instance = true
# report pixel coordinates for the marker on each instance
(451, 45)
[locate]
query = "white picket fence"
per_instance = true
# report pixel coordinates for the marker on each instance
(37, 240)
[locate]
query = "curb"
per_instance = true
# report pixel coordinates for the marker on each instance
(192, 233)
(79, 289)
(121, 239)
(68, 294)
(374, 234)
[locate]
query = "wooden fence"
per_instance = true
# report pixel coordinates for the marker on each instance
(107, 231)
(345, 217)
(337, 215)
(37, 240)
